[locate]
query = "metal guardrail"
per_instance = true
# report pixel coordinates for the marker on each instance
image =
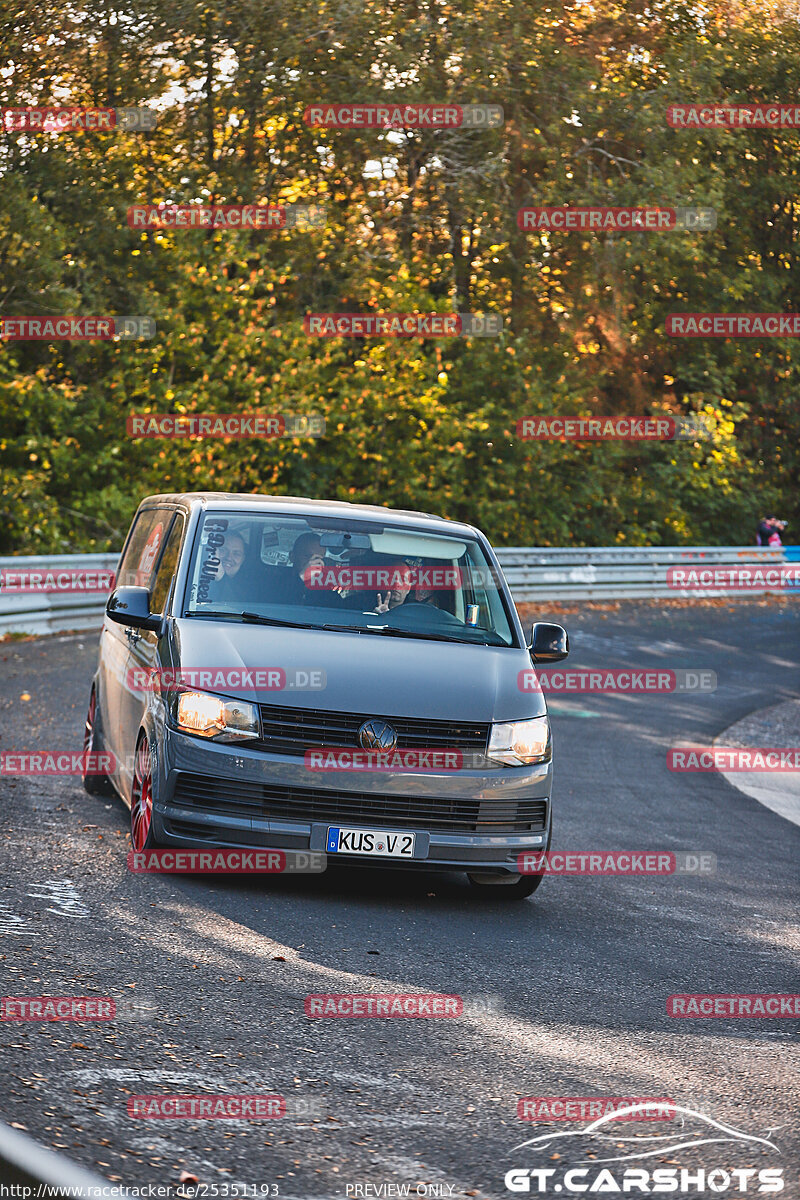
(624, 572)
(53, 612)
(25, 1163)
(571, 574)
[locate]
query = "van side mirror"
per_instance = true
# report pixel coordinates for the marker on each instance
(549, 643)
(131, 606)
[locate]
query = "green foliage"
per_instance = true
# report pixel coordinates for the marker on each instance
(416, 221)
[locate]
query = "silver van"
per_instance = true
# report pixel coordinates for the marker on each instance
(294, 674)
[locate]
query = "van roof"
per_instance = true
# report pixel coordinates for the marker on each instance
(303, 506)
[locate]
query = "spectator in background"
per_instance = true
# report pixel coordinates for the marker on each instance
(769, 531)
(777, 529)
(763, 531)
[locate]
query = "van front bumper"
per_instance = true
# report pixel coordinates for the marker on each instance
(212, 795)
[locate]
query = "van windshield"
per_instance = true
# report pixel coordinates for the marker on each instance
(347, 574)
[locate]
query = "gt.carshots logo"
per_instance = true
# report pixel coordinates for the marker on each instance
(362, 325)
(404, 116)
(693, 1131)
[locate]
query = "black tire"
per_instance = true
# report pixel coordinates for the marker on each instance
(95, 785)
(519, 889)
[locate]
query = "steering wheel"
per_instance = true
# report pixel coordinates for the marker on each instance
(415, 608)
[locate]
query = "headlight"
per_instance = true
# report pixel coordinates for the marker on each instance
(214, 717)
(516, 743)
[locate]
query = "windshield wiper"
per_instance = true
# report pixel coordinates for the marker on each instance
(255, 617)
(344, 628)
(393, 631)
(260, 620)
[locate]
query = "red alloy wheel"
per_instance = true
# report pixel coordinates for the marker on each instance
(142, 798)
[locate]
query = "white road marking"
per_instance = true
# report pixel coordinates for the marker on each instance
(64, 895)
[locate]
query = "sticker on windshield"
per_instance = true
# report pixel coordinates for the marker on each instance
(213, 538)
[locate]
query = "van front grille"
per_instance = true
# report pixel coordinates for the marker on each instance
(438, 814)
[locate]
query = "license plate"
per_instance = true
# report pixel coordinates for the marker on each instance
(380, 843)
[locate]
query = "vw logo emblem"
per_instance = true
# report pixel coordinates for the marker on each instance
(377, 735)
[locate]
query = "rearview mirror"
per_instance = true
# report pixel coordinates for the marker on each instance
(131, 606)
(345, 541)
(549, 643)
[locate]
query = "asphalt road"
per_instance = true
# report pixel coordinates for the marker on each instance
(578, 975)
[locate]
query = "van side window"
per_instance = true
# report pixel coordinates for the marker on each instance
(138, 564)
(167, 567)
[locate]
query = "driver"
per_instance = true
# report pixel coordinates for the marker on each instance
(397, 595)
